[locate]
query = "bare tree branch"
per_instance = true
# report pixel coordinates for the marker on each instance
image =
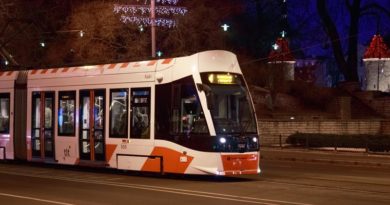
(374, 6)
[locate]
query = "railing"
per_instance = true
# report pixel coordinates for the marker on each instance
(363, 143)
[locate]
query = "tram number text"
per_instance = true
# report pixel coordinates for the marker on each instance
(67, 152)
(123, 146)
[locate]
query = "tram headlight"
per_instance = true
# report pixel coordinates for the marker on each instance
(254, 139)
(222, 140)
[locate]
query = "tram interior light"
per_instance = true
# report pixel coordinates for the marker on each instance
(222, 140)
(254, 139)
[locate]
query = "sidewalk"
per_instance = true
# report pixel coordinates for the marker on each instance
(331, 157)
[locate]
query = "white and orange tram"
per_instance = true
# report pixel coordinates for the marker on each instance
(187, 115)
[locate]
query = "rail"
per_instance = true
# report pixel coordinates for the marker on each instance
(147, 156)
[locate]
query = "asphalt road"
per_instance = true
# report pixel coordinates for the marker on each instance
(281, 182)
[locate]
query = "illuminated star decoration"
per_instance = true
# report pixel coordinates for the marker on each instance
(225, 27)
(140, 14)
(283, 34)
(275, 46)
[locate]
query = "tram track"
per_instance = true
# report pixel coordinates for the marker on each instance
(177, 191)
(327, 187)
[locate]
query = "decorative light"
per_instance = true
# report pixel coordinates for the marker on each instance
(254, 139)
(42, 44)
(222, 140)
(283, 33)
(140, 14)
(159, 53)
(81, 33)
(6, 62)
(145, 21)
(275, 46)
(225, 27)
(144, 9)
(141, 28)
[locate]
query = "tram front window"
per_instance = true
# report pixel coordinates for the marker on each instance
(229, 103)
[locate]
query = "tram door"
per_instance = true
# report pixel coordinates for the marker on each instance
(42, 136)
(92, 122)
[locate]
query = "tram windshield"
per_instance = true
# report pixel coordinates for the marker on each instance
(229, 103)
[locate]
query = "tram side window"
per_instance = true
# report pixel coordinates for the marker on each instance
(118, 113)
(66, 113)
(140, 113)
(187, 113)
(4, 113)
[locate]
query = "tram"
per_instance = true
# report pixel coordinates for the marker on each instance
(185, 115)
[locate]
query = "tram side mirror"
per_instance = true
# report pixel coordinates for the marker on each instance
(209, 94)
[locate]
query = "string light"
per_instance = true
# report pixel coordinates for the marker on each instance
(140, 14)
(142, 10)
(145, 21)
(42, 44)
(6, 62)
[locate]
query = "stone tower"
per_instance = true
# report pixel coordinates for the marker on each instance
(281, 58)
(377, 65)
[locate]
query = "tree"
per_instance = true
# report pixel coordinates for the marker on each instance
(347, 61)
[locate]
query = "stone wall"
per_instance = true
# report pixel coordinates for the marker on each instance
(270, 130)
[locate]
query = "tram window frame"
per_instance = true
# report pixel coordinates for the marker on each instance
(138, 105)
(126, 114)
(72, 96)
(7, 124)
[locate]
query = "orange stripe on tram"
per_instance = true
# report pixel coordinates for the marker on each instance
(34, 72)
(10, 73)
(112, 66)
(152, 62)
(110, 149)
(124, 65)
(167, 61)
(1, 73)
(55, 70)
(65, 70)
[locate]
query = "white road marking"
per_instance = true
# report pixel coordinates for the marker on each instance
(213, 195)
(34, 199)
